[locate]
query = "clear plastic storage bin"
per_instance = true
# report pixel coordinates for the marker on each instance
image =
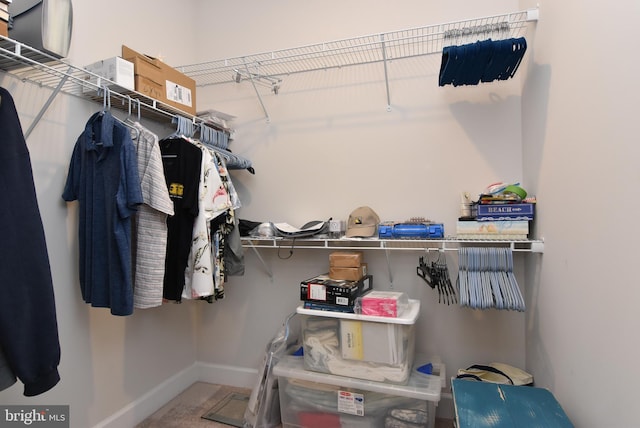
(365, 347)
(319, 400)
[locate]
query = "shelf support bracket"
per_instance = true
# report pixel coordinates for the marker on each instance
(386, 75)
(388, 255)
(264, 264)
(255, 88)
(47, 104)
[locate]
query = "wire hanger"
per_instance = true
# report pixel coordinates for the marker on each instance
(130, 102)
(106, 108)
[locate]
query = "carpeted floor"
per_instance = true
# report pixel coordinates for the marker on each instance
(186, 410)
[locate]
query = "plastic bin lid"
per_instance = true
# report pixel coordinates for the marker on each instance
(409, 316)
(420, 386)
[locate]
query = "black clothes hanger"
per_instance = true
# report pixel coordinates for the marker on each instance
(482, 61)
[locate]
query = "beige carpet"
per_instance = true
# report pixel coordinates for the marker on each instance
(186, 410)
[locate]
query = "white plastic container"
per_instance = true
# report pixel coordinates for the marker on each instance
(115, 69)
(319, 400)
(374, 348)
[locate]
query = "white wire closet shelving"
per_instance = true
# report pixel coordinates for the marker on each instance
(32, 65)
(447, 244)
(376, 48)
(270, 68)
(388, 245)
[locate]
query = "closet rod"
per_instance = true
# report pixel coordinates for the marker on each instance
(369, 49)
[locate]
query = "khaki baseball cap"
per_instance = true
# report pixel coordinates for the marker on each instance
(363, 222)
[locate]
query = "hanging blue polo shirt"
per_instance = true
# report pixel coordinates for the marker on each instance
(103, 178)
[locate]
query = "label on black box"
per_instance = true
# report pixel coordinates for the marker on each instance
(342, 301)
(317, 292)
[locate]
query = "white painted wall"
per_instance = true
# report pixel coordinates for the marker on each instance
(107, 362)
(564, 123)
(579, 145)
(330, 146)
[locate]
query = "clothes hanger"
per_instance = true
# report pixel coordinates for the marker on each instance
(106, 100)
(106, 108)
(130, 102)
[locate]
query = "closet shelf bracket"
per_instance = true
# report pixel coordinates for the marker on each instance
(255, 88)
(46, 105)
(386, 73)
(264, 264)
(388, 256)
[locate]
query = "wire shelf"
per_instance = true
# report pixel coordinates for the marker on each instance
(450, 243)
(32, 65)
(369, 49)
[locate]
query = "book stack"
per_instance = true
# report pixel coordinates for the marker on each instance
(502, 215)
(509, 230)
(4, 17)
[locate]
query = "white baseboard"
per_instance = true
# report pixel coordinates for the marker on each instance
(136, 411)
(227, 375)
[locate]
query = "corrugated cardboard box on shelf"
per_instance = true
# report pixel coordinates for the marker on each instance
(149, 68)
(346, 258)
(4, 31)
(177, 89)
(348, 273)
(148, 87)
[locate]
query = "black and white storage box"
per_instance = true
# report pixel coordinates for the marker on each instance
(365, 347)
(319, 400)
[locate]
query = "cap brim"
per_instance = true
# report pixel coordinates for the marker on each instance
(361, 232)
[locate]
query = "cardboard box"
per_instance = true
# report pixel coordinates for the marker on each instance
(311, 399)
(116, 69)
(360, 346)
(4, 31)
(142, 63)
(178, 90)
(148, 87)
(322, 288)
(348, 273)
(147, 68)
(346, 258)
